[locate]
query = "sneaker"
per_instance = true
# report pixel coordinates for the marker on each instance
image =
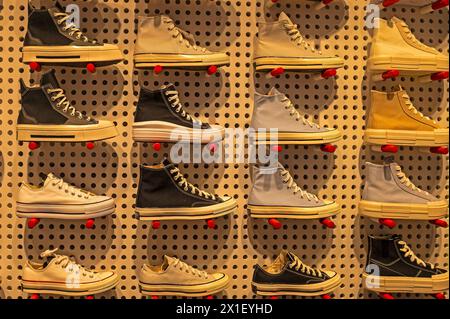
(160, 117)
(165, 194)
(60, 275)
(57, 199)
(276, 111)
(288, 275)
(176, 278)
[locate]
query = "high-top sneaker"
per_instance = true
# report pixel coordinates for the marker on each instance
(176, 278)
(165, 194)
(57, 199)
(60, 275)
(394, 47)
(276, 111)
(47, 115)
(280, 44)
(388, 193)
(393, 267)
(51, 38)
(160, 117)
(275, 194)
(393, 119)
(288, 275)
(175, 47)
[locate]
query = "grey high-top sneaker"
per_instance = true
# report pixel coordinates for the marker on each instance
(276, 111)
(388, 193)
(276, 195)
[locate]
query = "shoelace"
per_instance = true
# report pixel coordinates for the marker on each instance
(174, 100)
(412, 108)
(293, 112)
(413, 38)
(296, 36)
(406, 181)
(74, 191)
(188, 187)
(58, 95)
(287, 178)
(297, 264)
(183, 37)
(189, 269)
(68, 264)
(412, 256)
(70, 28)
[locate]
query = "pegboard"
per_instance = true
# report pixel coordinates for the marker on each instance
(121, 242)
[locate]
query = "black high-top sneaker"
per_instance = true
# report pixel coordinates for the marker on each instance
(160, 117)
(52, 39)
(165, 194)
(393, 267)
(288, 275)
(47, 115)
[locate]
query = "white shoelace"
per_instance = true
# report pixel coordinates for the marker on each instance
(406, 181)
(188, 187)
(293, 112)
(58, 95)
(174, 100)
(68, 264)
(287, 178)
(412, 256)
(412, 108)
(189, 269)
(70, 28)
(296, 36)
(70, 189)
(183, 37)
(297, 264)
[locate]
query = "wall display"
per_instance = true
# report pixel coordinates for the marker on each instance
(90, 101)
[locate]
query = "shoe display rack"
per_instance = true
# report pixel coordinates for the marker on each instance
(235, 243)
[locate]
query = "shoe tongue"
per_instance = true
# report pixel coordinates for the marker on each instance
(290, 256)
(398, 88)
(165, 162)
(59, 7)
(274, 91)
(388, 160)
(284, 17)
(168, 261)
(49, 78)
(168, 87)
(47, 178)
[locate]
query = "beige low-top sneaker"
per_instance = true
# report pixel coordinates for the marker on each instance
(57, 199)
(175, 47)
(176, 278)
(60, 275)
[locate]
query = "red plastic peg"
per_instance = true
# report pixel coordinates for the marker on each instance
(277, 72)
(154, 297)
(156, 146)
(439, 150)
(387, 222)
(209, 297)
(391, 74)
(439, 296)
(90, 145)
(90, 223)
(273, 297)
(91, 67)
(439, 76)
(32, 222)
(34, 296)
(33, 146)
(439, 5)
(156, 224)
(326, 2)
(388, 3)
(328, 223)
(158, 69)
(213, 147)
(329, 73)
(211, 223)
(212, 70)
(326, 297)
(276, 224)
(389, 149)
(90, 297)
(35, 66)
(439, 223)
(277, 148)
(328, 148)
(386, 296)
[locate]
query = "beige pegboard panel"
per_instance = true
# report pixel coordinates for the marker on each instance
(123, 243)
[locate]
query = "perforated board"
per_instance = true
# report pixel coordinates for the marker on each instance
(123, 243)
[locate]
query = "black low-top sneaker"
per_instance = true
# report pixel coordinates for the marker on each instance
(47, 115)
(393, 267)
(52, 38)
(160, 117)
(165, 194)
(288, 275)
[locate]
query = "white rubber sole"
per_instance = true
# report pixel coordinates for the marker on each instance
(407, 64)
(429, 211)
(435, 284)
(297, 63)
(439, 137)
(294, 212)
(147, 60)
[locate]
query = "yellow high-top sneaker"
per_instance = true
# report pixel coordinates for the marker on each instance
(393, 119)
(394, 47)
